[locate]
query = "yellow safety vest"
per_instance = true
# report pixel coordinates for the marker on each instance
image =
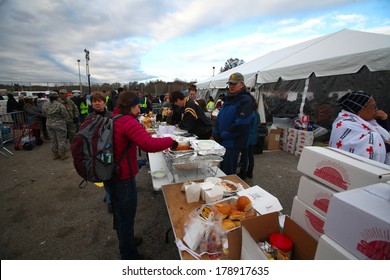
(83, 108)
(144, 104)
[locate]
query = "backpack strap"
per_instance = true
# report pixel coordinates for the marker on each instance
(83, 184)
(122, 156)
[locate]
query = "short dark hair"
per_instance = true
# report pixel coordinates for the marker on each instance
(192, 88)
(175, 95)
(127, 100)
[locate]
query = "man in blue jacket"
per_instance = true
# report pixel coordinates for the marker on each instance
(231, 129)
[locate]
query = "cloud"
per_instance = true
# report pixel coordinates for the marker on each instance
(151, 39)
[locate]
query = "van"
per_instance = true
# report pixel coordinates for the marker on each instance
(32, 94)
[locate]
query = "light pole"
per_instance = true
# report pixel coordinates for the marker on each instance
(87, 70)
(81, 89)
(213, 70)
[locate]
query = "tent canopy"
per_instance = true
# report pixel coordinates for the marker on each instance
(342, 52)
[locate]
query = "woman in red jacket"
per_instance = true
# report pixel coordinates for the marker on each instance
(129, 133)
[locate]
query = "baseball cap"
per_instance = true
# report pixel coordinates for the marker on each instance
(63, 91)
(236, 78)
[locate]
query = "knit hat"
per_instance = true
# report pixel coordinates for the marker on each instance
(236, 78)
(354, 102)
(53, 94)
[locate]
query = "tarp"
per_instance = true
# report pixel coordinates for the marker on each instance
(339, 53)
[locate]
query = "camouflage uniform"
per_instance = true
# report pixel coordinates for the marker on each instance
(56, 115)
(73, 112)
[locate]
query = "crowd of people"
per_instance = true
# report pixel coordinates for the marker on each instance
(62, 116)
(360, 128)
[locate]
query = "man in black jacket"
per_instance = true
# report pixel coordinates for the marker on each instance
(194, 119)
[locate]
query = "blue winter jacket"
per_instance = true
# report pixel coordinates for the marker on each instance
(254, 128)
(231, 129)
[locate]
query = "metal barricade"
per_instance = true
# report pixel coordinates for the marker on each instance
(4, 131)
(17, 128)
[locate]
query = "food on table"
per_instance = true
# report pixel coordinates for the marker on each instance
(228, 186)
(224, 209)
(228, 224)
(250, 213)
(234, 210)
(244, 203)
(237, 215)
(148, 122)
(182, 147)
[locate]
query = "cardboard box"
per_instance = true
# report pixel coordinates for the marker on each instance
(272, 140)
(340, 170)
(315, 194)
(309, 219)
(359, 220)
(262, 201)
(328, 249)
(260, 228)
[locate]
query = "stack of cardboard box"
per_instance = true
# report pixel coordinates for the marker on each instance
(327, 172)
(359, 221)
(294, 140)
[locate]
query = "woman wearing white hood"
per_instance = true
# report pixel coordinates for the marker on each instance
(361, 128)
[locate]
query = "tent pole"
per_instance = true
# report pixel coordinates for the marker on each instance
(304, 93)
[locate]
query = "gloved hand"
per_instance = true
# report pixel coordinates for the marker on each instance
(174, 145)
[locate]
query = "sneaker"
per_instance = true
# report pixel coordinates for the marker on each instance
(138, 241)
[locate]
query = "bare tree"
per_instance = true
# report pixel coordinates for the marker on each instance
(231, 63)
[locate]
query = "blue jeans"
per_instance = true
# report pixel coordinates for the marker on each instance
(124, 201)
(244, 162)
(107, 188)
(230, 159)
(251, 159)
(247, 161)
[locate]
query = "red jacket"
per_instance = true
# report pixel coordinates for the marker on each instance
(126, 129)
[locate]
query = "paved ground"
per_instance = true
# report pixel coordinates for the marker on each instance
(44, 214)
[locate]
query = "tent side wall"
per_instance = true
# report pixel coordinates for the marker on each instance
(283, 98)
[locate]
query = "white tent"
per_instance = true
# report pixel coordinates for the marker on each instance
(338, 62)
(343, 52)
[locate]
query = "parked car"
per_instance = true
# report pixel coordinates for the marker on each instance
(33, 94)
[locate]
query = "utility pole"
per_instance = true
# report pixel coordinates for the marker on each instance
(213, 70)
(87, 70)
(81, 89)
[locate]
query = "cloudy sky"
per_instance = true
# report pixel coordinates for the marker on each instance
(141, 40)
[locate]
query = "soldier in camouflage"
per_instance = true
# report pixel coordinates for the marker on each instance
(56, 114)
(73, 112)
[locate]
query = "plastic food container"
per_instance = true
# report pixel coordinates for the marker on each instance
(283, 243)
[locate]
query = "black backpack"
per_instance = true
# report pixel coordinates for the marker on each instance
(93, 150)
